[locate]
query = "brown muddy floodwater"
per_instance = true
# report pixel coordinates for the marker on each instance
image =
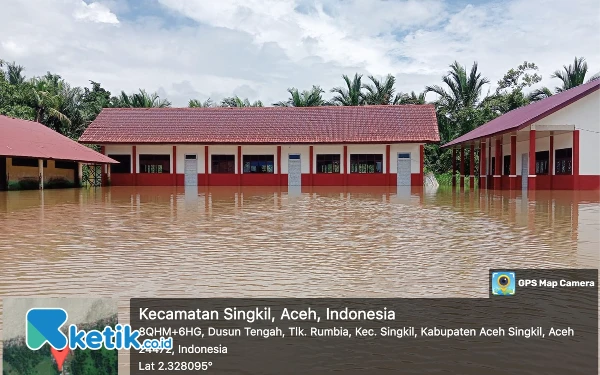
(325, 242)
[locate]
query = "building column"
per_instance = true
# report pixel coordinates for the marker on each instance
(107, 174)
(575, 160)
(462, 166)
(278, 165)
(498, 166)
(80, 173)
(531, 177)
(421, 165)
(103, 167)
(346, 171)
(239, 165)
(551, 159)
(311, 161)
(174, 168)
(41, 172)
(134, 161)
(512, 179)
(482, 165)
(472, 166)
(453, 166)
(206, 156)
(387, 164)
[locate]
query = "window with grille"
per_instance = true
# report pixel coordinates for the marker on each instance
(366, 163)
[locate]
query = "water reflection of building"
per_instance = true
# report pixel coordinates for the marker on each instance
(551, 144)
(316, 146)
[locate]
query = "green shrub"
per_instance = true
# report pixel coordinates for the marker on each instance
(58, 183)
(27, 183)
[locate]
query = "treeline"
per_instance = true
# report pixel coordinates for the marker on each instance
(461, 103)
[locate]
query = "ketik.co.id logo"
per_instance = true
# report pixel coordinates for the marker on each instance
(43, 325)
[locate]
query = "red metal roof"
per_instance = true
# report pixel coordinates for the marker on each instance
(527, 115)
(327, 124)
(22, 138)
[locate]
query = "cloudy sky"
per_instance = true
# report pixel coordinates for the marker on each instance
(258, 48)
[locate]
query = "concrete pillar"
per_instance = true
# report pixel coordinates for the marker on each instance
(134, 161)
(206, 157)
(462, 166)
(551, 159)
(279, 166)
(387, 164)
(41, 172)
(80, 173)
(575, 160)
(498, 166)
(174, 165)
(531, 177)
(453, 166)
(472, 166)
(513, 162)
(310, 160)
(482, 165)
(108, 173)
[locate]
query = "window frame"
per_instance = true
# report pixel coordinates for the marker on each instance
(263, 160)
(566, 159)
(539, 162)
(230, 167)
(155, 167)
(358, 160)
(328, 161)
(121, 165)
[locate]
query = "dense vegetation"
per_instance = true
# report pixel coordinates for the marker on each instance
(460, 102)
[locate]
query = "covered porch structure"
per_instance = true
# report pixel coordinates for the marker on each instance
(536, 147)
(541, 157)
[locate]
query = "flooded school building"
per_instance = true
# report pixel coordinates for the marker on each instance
(552, 144)
(265, 146)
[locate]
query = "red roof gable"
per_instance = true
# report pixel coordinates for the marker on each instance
(22, 138)
(527, 115)
(327, 124)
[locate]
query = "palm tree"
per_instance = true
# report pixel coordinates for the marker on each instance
(235, 101)
(139, 100)
(464, 90)
(14, 74)
(351, 94)
(45, 99)
(381, 91)
(573, 75)
(195, 103)
(306, 98)
(412, 98)
(539, 94)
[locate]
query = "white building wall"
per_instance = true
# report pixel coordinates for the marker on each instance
(286, 150)
(183, 150)
(415, 156)
(303, 150)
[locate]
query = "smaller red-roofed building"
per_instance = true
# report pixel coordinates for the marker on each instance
(31, 152)
(551, 144)
(267, 146)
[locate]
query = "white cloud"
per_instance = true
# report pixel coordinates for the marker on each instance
(94, 12)
(259, 48)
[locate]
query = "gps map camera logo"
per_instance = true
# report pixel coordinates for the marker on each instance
(503, 283)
